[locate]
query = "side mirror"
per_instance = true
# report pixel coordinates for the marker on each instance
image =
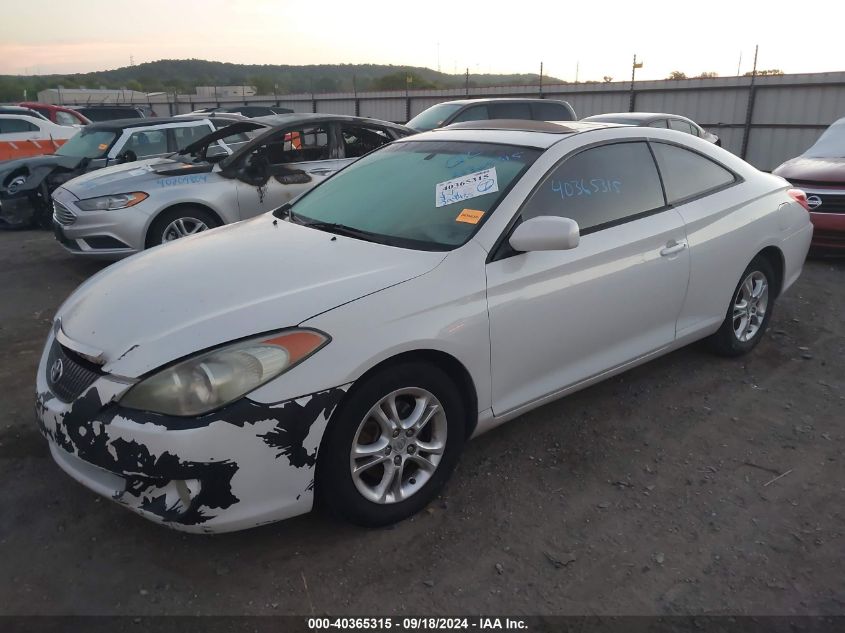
(545, 233)
(128, 156)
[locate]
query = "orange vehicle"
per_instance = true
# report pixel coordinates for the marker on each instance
(22, 136)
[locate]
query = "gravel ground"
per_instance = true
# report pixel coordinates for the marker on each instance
(655, 492)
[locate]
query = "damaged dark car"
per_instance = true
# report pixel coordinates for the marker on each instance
(26, 184)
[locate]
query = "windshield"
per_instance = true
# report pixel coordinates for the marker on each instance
(831, 144)
(433, 117)
(88, 144)
(427, 195)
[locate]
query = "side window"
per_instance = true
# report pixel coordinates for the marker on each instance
(184, 136)
(475, 113)
(687, 174)
(297, 146)
(550, 112)
(16, 126)
(658, 123)
(63, 118)
(508, 110)
(148, 143)
(681, 126)
(358, 140)
(600, 186)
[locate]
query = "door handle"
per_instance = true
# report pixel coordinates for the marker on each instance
(673, 247)
(320, 171)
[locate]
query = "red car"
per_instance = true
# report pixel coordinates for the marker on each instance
(57, 114)
(820, 172)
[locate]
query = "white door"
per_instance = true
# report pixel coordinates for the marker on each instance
(560, 317)
(287, 165)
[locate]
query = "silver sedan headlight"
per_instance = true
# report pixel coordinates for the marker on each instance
(112, 203)
(215, 378)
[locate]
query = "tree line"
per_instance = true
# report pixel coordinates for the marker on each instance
(183, 76)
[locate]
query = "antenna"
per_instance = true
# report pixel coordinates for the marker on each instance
(131, 60)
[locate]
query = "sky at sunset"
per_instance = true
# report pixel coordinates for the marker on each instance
(498, 37)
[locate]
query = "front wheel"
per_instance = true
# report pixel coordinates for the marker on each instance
(749, 311)
(392, 445)
(179, 222)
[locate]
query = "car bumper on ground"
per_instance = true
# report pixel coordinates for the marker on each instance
(241, 466)
(20, 210)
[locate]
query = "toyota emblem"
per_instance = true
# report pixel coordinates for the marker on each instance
(56, 371)
(814, 202)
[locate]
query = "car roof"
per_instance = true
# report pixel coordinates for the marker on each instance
(499, 99)
(278, 120)
(98, 106)
(123, 124)
(538, 134)
(15, 109)
(634, 117)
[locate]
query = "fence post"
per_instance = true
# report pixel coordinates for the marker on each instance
(749, 114)
(749, 110)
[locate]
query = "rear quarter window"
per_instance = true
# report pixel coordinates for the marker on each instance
(687, 174)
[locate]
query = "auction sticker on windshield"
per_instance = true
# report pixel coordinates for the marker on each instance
(466, 187)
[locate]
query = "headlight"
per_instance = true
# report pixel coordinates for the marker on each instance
(213, 379)
(112, 203)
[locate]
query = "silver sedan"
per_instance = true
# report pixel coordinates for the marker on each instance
(121, 210)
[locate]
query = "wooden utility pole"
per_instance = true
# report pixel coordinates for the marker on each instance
(634, 67)
(541, 80)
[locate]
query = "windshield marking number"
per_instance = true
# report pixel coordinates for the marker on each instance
(470, 186)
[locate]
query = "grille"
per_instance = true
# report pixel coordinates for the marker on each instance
(75, 377)
(62, 214)
(831, 202)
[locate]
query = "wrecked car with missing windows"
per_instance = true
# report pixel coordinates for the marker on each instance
(125, 209)
(27, 183)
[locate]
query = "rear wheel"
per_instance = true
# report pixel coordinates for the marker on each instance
(392, 445)
(179, 222)
(749, 311)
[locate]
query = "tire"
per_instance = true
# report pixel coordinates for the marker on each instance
(354, 425)
(725, 341)
(190, 215)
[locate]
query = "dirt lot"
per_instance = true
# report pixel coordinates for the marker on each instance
(652, 493)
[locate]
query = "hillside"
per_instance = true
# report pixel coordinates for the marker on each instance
(182, 75)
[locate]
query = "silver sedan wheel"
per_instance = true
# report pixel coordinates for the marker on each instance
(749, 306)
(182, 227)
(398, 445)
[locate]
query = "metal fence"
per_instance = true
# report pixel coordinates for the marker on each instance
(766, 120)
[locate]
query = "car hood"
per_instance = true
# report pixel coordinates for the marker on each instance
(132, 177)
(239, 280)
(822, 170)
(34, 169)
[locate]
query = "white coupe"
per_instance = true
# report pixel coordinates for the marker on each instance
(347, 345)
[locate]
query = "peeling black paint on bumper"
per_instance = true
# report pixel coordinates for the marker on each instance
(243, 465)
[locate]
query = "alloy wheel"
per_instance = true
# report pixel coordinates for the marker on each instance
(749, 306)
(182, 227)
(398, 445)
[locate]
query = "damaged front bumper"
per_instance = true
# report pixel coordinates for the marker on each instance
(239, 467)
(24, 210)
